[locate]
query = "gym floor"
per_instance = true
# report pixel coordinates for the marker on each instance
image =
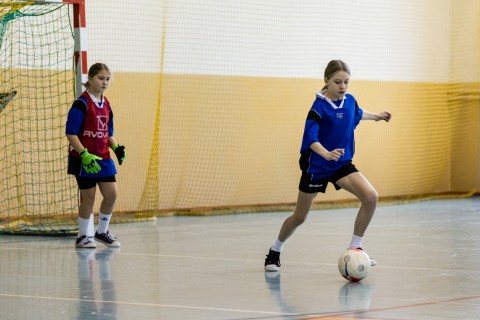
(211, 268)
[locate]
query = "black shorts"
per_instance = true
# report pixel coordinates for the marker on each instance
(308, 185)
(74, 166)
(88, 183)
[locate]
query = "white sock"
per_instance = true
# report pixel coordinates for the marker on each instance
(82, 226)
(278, 246)
(91, 226)
(103, 222)
(356, 242)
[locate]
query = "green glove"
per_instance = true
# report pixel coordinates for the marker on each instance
(120, 153)
(89, 162)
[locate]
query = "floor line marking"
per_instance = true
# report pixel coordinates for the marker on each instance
(244, 260)
(406, 306)
(145, 304)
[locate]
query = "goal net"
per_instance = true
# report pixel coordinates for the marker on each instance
(37, 87)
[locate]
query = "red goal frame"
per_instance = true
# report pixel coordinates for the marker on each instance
(80, 35)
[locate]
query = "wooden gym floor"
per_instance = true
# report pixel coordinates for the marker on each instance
(211, 268)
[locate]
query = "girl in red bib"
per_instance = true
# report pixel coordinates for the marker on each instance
(89, 130)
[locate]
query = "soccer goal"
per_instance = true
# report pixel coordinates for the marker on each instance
(42, 67)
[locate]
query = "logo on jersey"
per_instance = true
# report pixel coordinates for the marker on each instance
(102, 123)
(102, 129)
(98, 134)
(340, 115)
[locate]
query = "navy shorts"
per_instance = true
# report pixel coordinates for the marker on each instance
(308, 185)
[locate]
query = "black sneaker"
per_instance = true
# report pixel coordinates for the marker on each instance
(107, 239)
(373, 262)
(272, 262)
(85, 242)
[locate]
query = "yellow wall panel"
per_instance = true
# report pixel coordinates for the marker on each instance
(234, 141)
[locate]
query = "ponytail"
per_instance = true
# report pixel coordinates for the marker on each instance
(86, 84)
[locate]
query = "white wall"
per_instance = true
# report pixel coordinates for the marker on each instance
(406, 40)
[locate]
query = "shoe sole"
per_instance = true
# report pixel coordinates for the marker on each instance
(116, 244)
(272, 268)
(79, 246)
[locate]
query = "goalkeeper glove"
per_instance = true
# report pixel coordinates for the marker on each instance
(89, 162)
(120, 153)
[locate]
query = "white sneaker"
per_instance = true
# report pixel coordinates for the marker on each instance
(85, 242)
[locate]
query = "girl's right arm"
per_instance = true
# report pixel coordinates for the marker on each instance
(333, 155)
(75, 118)
(310, 138)
(75, 142)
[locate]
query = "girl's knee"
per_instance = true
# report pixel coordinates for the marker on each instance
(371, 197)
(299, 220)
(87, 201)
(113, 196)
(110, 199)
(110, 196)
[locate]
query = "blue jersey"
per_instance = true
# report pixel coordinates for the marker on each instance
(332, 124)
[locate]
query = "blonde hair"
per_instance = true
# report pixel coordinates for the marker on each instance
(93, 71)
(333, 67)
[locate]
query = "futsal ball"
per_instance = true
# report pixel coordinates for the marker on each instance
(354, 264)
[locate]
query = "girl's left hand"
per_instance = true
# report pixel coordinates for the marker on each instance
(385, 115)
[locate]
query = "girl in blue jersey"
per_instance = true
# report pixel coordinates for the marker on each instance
(89, 130)
(326, 156)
